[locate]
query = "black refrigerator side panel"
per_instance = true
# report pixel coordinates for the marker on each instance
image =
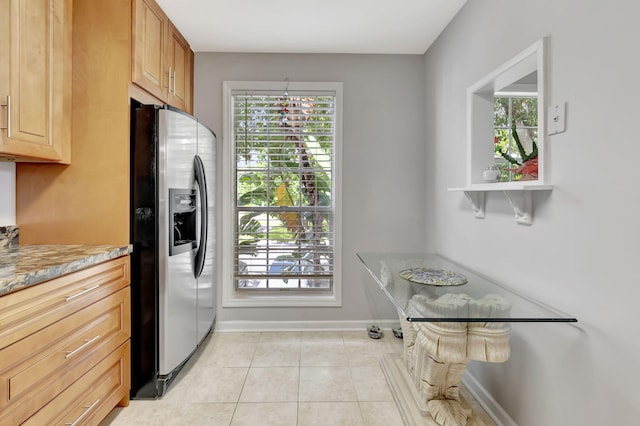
(144, 259)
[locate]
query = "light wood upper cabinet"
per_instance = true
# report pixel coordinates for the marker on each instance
(88, 201)
(35, 80)
(150, 26)
(161, 57)
(180, 63)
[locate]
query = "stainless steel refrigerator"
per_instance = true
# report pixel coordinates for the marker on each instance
(172, 233)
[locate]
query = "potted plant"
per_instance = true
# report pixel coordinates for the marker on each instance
(527, 163)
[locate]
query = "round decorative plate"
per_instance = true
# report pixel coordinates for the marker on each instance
(432, 276)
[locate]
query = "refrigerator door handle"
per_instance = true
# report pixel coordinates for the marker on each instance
(202, 244)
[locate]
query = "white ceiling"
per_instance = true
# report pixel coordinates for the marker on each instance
(311, 26)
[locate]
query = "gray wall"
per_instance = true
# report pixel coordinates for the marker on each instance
(383, 198)
(581, 253)
(7, 194)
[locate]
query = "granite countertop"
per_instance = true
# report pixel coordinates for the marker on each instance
(25, 265)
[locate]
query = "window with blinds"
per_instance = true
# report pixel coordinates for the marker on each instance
(283, 147)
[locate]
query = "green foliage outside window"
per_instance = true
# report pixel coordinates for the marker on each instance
(516, 132)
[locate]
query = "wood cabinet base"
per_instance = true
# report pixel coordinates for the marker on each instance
(64, 347)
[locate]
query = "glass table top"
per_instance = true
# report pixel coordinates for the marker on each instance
(431, 288)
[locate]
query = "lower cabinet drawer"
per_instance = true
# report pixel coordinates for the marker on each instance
(26, 311)
(37, 368)
(90, 398)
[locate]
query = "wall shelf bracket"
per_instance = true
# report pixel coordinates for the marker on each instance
(520, 196)
(522, 204)
(477, 200)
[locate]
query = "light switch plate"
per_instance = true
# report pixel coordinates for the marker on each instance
(556, 121)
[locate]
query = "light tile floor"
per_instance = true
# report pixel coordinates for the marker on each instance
(276, 378)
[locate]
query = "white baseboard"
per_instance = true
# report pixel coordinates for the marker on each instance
(490, 405)
(257, 326)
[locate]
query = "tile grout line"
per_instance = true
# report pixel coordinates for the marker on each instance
(235, 408)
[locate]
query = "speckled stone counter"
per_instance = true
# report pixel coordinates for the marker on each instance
(9, 236)
(25, 265)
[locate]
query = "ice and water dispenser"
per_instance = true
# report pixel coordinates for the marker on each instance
(182, 220)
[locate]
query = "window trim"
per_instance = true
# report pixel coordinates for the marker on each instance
(290, 298)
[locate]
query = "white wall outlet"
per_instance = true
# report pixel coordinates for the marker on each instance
(556, 118)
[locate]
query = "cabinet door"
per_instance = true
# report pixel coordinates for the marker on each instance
(35, 79)
(179, 58)
(150, 26)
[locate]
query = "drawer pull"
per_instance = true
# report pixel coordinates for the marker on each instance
(69, 354)
(86, 411)
(80, 293)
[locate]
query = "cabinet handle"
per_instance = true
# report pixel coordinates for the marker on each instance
(86, 411)
(80, 293)
(174, 82)
(170, 75)
(69, 354)
(8, 106)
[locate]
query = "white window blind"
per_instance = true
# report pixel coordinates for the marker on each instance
(284, 144)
